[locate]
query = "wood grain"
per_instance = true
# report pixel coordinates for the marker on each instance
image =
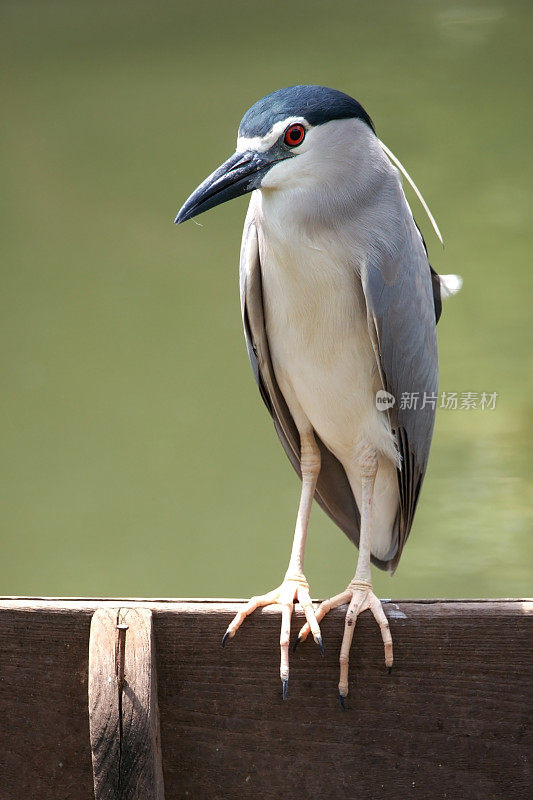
(452, 721)
(123, 711)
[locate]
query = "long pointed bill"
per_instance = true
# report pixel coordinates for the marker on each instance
(238, 175)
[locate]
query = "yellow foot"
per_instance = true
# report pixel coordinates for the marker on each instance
(294, 587)
(360, 597)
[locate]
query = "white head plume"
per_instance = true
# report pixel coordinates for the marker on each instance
(418, 193)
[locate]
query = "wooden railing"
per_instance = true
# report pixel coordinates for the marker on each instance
(158, 709)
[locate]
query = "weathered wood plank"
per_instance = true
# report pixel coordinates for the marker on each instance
(453, 720)
(123, 710)
(44, 724)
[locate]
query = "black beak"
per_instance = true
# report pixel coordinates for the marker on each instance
(238, 175)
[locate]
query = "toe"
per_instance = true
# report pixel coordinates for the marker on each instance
(379, 615)
(349, 627)
(287, 604)
(251, 605)
(304, 598)
(302, 636)
(323, 609)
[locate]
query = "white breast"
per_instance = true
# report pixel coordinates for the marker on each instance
(316, 323)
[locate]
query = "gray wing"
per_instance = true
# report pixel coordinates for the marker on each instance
(401, 314)
(333, 492)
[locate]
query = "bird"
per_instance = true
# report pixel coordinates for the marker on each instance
(339, 305)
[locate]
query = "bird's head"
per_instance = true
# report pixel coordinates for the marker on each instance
(288, 139)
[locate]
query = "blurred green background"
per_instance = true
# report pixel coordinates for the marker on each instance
(137, 456)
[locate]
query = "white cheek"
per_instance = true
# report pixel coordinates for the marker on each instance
(285, 173)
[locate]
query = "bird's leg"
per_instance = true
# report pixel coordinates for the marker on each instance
(359, 592)
(294, 586)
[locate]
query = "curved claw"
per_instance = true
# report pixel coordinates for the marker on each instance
(293, 588)
(363, 598)
(341, 701)
(318, 641)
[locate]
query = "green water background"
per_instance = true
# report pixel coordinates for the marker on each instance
(137, 457)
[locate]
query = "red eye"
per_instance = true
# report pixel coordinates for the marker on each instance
(294, 135)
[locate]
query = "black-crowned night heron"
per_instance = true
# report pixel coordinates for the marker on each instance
(340, 306)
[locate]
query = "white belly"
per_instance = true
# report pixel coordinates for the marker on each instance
(321, 350)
